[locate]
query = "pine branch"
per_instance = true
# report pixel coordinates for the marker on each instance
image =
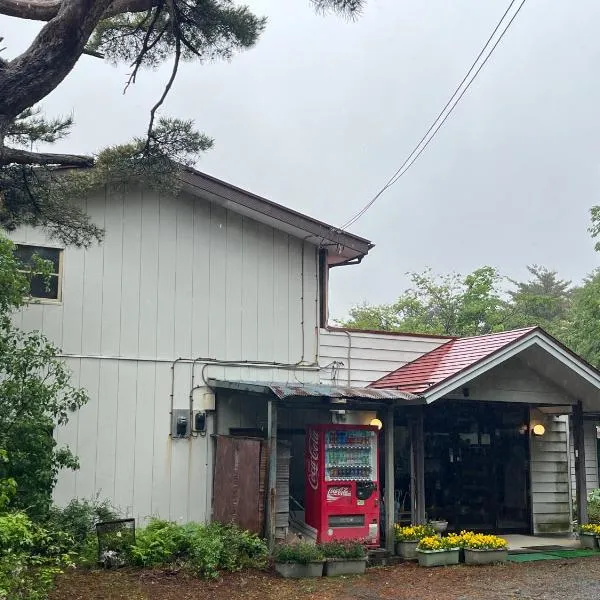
(166, 90)
(46, 10)
(93, 53)
(23, 157)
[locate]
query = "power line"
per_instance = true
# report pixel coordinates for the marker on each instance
(418, 150)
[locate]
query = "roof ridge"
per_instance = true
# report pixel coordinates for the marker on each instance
(498, 333)
(447, 360)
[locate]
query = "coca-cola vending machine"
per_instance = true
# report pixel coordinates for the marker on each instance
(342, 482)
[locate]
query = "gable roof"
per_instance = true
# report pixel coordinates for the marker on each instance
(343, 246)
(450, 359)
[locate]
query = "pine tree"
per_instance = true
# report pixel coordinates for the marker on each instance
(38, 188)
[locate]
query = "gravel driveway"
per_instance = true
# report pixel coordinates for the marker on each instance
(574, 579)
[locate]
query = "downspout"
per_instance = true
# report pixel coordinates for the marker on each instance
(302, 300)
(318, 296)
(349, 358)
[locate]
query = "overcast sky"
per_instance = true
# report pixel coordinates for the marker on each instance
(322, 111)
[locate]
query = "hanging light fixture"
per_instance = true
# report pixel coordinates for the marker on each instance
(376, 423)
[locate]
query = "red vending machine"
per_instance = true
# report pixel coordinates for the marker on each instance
(342, 482)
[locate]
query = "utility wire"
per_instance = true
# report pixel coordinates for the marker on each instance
(418, 150)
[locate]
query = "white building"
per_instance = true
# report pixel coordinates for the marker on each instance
(215, 282)
(200, 314)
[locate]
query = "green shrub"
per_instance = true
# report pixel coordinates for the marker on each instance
(78, 520)
(160, 543)
(205, 549)
(215, 547)
(593, 506)
(344, 549)
(30, 557)
(299, 552)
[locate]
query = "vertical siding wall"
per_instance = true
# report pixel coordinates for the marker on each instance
(550, 493)
(371, 355)
(591, 457)
(173, 278)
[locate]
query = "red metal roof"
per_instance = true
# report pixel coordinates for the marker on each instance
(448, 360)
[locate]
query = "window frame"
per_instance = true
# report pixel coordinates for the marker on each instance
(59, 273)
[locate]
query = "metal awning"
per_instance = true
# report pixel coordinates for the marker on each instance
(285, 391)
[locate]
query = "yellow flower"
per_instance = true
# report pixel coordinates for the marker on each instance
(590, 528)
(412, 533)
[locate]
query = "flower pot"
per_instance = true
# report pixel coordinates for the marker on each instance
(439, 526)
(485, 557)
(407, 549)
(345, 566)
(299, 570)
(588, 540)
(437, 558)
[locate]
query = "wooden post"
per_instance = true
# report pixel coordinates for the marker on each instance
(272, 475)
(388, 428)
(417, 465)
(580, 479)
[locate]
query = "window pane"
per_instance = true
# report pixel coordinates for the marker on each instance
(25, 255)
(42, 287)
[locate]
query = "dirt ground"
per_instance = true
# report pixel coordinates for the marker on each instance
(574, 579)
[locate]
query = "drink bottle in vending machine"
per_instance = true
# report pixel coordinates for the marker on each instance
(342, 482)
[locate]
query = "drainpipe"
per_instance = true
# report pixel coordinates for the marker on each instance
(349, 358)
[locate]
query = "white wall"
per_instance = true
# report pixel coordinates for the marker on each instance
(591, 456)
(372, 355)
(550, 492)
(174, 277)
(514, 381)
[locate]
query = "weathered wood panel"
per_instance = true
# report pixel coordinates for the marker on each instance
(591, 456)
(550, 492)
(237, 486)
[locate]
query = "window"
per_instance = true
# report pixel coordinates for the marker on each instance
(42, 287)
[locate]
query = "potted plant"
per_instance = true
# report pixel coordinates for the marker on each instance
(408, 537)
(588, 536)
(347, 557)
(434, 551)
(481, 549)
(298, 560)
(439, 525)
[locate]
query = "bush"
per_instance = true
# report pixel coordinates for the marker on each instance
(205, 549)
(30, 558)
(160, 543)
(300, 552)
(78, 520)
(593, 506)
(346, 549)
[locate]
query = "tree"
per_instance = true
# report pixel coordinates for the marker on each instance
(583, 335)
(35, 396)
(594, 228)
(141, 33)
(448, 305)
(544, 300)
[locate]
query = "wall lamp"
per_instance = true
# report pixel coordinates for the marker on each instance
(539, 429)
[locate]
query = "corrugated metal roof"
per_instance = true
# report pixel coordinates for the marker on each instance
(447, 361)
(299, 390)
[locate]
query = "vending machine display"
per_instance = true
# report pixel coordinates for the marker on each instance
(342, 482)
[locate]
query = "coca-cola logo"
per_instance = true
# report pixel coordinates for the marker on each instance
(313, 459)
(335, 493)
